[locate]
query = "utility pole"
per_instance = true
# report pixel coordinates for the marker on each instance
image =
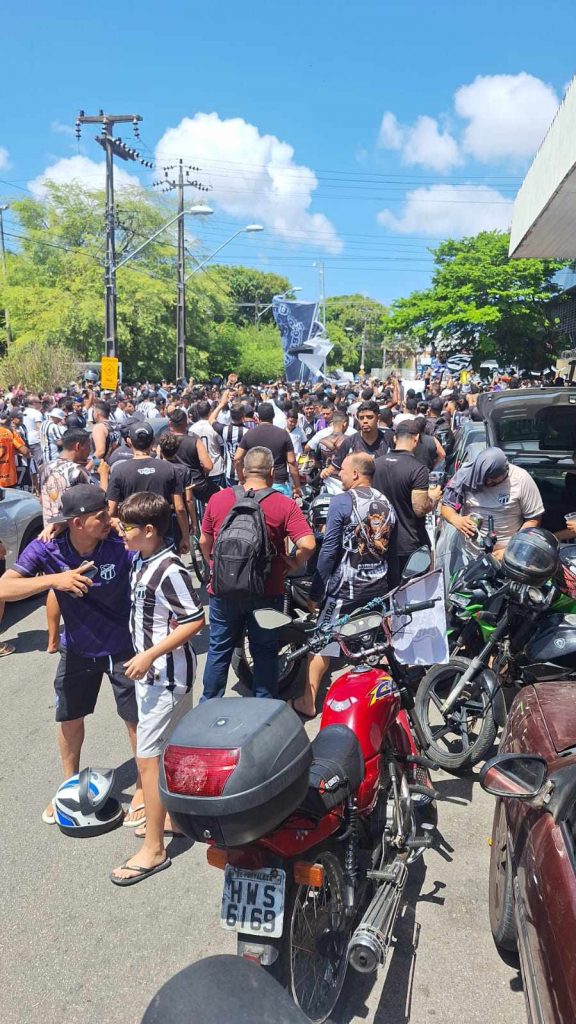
(168, 185)
(4, 278)
(112, 147)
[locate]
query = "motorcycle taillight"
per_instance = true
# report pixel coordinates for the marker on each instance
(198, 771)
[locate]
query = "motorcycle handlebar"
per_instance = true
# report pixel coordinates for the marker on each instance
(418, 606)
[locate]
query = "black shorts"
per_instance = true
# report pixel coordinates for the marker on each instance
(78, 680)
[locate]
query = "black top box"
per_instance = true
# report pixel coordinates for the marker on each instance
(234, 769)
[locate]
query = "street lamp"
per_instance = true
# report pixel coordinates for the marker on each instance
(282, 295)
(250, 228)
(199, 210)
(3, 208)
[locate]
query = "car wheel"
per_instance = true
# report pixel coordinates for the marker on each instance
(500, 890)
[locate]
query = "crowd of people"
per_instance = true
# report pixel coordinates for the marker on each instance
(129, 482)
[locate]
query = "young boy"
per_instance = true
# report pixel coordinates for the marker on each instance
(165, 615)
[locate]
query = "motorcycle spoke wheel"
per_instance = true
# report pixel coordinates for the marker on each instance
(318, 942)
(461, 737)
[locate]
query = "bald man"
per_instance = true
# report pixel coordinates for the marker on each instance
(353, 563)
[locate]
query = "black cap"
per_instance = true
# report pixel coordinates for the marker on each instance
(408, 427)
(436, 405)
(141, 435)
(80, 501)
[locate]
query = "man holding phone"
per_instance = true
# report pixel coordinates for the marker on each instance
(88, 568)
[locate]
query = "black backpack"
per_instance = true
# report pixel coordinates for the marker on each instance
(242, 555)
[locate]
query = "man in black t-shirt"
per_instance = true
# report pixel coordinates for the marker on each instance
(405, 482)
(192, 452)
(370, 439)
(145, 473)
(279, 442)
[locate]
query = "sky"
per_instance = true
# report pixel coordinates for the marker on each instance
(358, 134)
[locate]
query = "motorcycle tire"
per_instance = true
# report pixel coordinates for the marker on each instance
(313, 950)
(473, 707)
(287, 675)
(500, 889)
(199, 563)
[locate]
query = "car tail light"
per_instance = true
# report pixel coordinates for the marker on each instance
(199, 771)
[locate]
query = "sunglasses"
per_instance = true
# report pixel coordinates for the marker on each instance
(128, 527)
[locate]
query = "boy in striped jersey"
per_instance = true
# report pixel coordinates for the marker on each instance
(165, 615)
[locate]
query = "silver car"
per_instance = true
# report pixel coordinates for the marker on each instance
(20, 521)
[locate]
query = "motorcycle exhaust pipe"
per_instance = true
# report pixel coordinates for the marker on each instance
(369, 944)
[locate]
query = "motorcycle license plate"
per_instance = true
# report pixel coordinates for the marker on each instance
(253, 901)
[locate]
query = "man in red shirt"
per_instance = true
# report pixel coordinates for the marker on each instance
(229, 617)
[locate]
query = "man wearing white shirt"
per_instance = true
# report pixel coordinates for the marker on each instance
(212, 441)
(296, 433)
(32, 420)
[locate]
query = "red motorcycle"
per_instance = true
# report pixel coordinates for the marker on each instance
(316, 839)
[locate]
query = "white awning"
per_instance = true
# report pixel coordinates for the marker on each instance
(544, 216)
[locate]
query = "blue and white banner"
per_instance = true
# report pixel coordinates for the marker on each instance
(295, 321)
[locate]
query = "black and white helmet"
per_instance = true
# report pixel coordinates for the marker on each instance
(83, 805)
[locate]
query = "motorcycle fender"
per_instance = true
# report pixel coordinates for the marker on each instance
(492, 684)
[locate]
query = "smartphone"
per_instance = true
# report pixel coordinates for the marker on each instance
(92, 572)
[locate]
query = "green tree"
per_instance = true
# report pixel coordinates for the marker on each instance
(350, 320)
(250, 292)
(483, 302)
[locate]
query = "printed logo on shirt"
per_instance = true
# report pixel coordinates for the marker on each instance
(146, 470)
(140, 592)
(108, 572)
(503, 499)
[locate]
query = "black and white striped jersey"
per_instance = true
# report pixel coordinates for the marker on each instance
(163, 596)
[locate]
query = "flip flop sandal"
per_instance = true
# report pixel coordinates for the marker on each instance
(48, 819)
(142, 872)
(6, 649)
(138, 821)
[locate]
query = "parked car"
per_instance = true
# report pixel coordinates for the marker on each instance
(20, 521)
(532, 886)
(537, 429)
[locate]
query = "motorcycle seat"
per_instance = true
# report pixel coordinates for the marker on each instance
(337, 770)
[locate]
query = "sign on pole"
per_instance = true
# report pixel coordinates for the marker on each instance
(109, 373)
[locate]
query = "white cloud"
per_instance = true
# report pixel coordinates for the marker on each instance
(507, 115)
(253, 176)
(81, 170)
(450, 210)
(4, 158)
(422, 144)
(391, 134)
(61, 129)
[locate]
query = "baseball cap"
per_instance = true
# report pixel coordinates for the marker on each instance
(408, 427)
(81, 500)
(436, 405)
(58, 414)
(141, 434)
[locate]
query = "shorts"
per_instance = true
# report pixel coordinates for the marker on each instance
(78, 680)
(159, 709)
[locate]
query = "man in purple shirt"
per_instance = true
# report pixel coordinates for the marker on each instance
(88, 568)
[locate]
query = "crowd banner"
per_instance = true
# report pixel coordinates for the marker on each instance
(295, 321)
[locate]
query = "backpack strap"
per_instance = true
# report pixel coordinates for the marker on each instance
(258, 496)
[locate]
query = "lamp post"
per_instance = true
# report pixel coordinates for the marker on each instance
(249, 228)
(6, 206)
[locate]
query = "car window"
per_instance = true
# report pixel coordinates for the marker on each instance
(552, 429)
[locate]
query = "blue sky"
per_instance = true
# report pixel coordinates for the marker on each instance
(357, 133)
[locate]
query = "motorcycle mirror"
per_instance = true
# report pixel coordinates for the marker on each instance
(269, 618)
(363, 625)
(514, 775)
(418, 563)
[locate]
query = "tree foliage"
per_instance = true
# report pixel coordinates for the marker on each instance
(349, 318)
(54, 289)
(483, 302)
(38, 366)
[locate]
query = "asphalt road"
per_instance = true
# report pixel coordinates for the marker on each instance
(76, 949)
